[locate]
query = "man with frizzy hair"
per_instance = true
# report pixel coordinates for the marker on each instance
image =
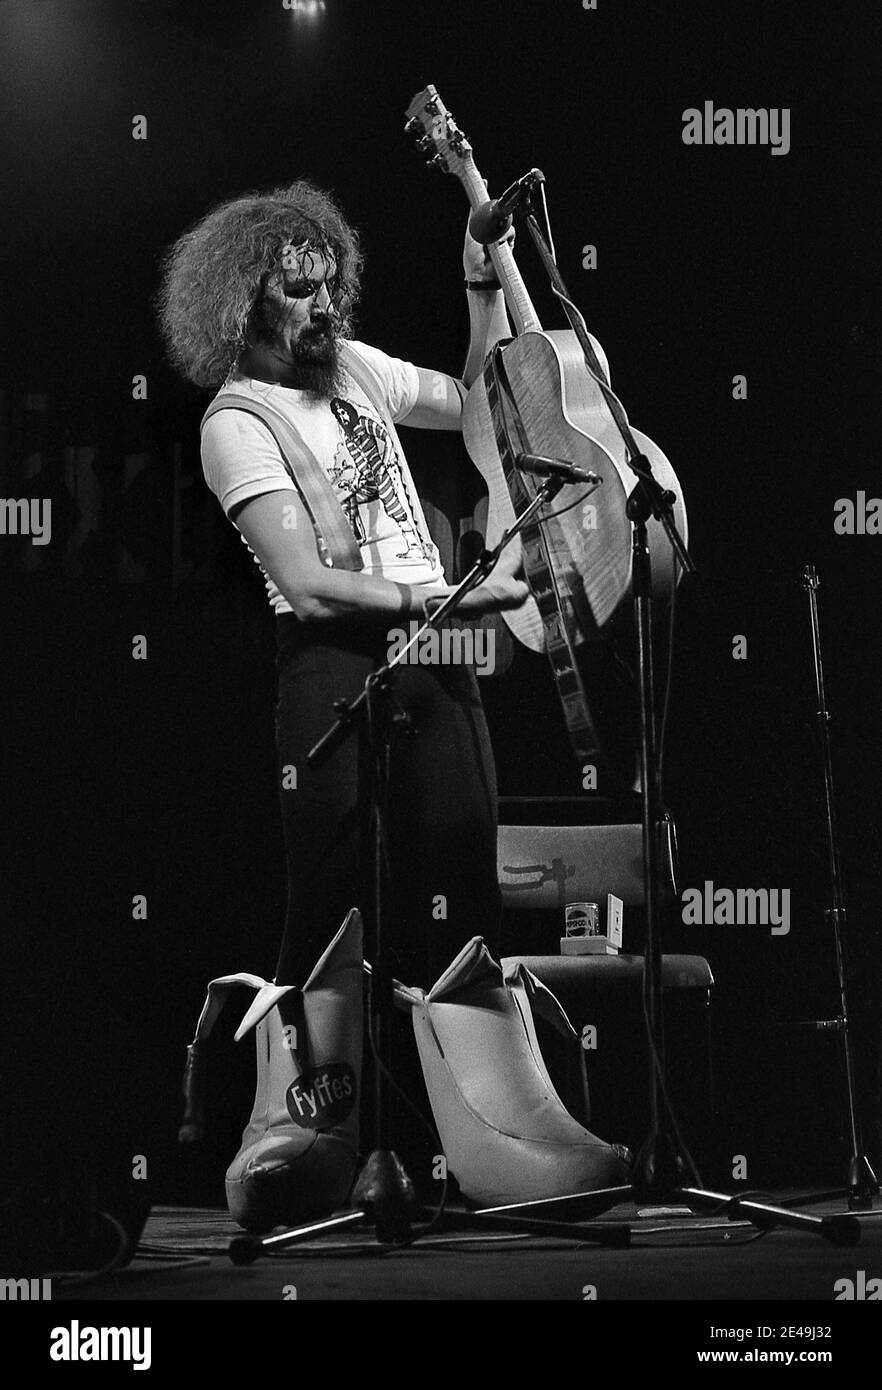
(301, 450)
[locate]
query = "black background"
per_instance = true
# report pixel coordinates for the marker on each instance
(156, 777)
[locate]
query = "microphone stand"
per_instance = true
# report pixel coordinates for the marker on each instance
(657, 1169)
(861, 1183)
(383, 1192)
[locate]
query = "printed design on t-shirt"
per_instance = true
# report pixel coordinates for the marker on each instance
(366, 469)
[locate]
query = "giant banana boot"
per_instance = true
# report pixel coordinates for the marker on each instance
(299, 1150)
(506, 1134)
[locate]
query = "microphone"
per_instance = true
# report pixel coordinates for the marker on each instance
(556, 468)
(492, 219)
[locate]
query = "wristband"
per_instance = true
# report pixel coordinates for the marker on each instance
(482, 286)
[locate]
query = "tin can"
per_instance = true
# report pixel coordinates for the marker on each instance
(582, 919)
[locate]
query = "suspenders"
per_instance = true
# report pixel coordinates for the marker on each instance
(302, 466)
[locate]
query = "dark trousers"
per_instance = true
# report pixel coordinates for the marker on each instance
(442, 807)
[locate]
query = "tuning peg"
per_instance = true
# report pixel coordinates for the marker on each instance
(438, 163)
(412, 125)
(432, 106)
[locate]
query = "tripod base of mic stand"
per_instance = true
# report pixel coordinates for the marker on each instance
(860, 1191)
(657, 1175)
(385, 1193)
(658, 1168)
(383, 1200)
(390, 1209)
(862, 1185)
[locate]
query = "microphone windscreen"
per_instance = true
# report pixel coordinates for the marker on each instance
(486, 225)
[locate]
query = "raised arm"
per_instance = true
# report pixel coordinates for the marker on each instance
(488, 316)
(439, 403)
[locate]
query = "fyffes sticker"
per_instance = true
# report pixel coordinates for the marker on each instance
(323, 1097)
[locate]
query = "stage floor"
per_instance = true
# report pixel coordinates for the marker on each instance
(183, 1256)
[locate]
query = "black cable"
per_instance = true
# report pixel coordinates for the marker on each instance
(549, 516)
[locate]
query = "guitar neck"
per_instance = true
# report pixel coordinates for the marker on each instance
(519, 304)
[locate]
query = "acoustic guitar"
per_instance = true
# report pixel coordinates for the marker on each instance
(577, 561)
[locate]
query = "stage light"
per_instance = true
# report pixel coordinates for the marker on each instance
(311, 9)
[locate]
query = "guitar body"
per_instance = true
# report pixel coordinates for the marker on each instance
(564, 416)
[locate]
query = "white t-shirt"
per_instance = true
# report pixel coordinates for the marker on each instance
(241, 460)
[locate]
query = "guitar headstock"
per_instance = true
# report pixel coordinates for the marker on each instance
(437, 135)
(810, 578)
(445, 147)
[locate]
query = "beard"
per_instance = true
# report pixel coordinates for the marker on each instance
(315, 362)
(312, 361)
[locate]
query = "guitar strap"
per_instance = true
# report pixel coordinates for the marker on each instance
(560, 631)
(614, 405)
(332, 530)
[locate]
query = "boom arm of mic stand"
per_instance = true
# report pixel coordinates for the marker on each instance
(348, 712)
(487, 559)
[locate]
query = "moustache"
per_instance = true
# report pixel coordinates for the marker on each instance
(320, 332)
(324, 322)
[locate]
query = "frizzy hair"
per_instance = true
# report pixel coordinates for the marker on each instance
(212, 274)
